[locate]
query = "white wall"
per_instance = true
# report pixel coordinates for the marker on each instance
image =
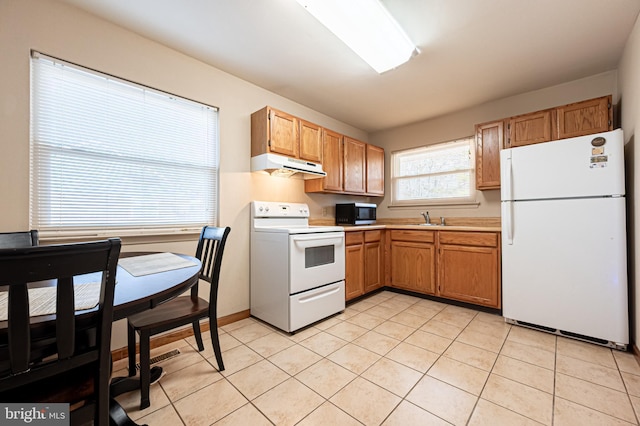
(629, 87)
(461, 124)
(68, 33)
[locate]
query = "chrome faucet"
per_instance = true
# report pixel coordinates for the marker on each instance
(426, 216)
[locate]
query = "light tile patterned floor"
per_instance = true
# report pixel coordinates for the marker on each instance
(393, 359)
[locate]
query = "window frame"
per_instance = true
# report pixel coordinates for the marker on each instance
(470, 200)
(52, 230)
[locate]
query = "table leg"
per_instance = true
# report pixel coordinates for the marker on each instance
(119, 417)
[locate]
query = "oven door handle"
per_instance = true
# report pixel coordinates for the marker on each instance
(316, 241)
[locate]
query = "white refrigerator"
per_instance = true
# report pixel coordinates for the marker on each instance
(564, 257)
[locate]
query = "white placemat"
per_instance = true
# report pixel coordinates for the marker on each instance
(153, 263)
(42, 301)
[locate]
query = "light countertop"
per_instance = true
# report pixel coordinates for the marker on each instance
(470, 224)
(415, 227)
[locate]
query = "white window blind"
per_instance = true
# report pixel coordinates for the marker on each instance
(435, 174)
(112, 157)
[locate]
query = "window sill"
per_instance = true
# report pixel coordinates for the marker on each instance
(461, 204)
(128, 236)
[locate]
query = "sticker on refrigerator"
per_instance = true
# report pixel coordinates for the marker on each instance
(599, 161)
(597, 151)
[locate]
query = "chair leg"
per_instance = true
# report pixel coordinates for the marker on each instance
(213, 329)
(131, 349)
(198, 335)
(145, 369)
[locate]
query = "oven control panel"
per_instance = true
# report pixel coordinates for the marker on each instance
(276, 209)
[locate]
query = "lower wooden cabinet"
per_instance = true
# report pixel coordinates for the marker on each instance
(413, 260)
(354, 260)
(463, 266)
(469, 267)
(364, 262)
(458, 265)
(373, 260)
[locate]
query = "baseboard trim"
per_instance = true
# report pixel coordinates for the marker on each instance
(122, 353)
(635, 351)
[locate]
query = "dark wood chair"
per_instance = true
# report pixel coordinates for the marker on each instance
(181, 311)
(66, 356)
(18, 239)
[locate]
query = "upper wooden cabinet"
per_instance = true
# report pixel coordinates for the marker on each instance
(567, 121)
(332, 151)
(375, 170)
(489, 142)
(528, 129)
(355, 158)
(583, 118)
(310, 141)
(281, 133)
(352, 167)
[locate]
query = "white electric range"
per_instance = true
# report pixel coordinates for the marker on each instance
(297, 270)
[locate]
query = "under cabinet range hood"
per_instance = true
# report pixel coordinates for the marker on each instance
(279, 165)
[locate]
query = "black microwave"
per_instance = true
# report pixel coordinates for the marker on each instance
(355, 214)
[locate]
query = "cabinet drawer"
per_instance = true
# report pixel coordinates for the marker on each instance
(352, 238)
(419, 236)
(482, 239)
(371, 236)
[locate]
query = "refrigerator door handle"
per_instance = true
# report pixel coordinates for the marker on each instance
(507, 215)
(507, 176)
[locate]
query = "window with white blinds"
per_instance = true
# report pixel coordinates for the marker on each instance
(443, 173)
(110, 157)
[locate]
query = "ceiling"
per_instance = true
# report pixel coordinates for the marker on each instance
(472, 51)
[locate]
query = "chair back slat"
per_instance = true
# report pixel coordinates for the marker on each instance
(65, 317)
(207, 257)
(19, 333)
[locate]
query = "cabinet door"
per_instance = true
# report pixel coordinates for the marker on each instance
(354, 165)
(469, 274)
(373, 260)
(529, 129)
(489, 142)
(583, 118)
(413, 266)
(310, 142)
(354, 277)
(375, 170)
(332, 159)
(283, 134)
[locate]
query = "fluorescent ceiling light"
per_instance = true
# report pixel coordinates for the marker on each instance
(367, 28)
